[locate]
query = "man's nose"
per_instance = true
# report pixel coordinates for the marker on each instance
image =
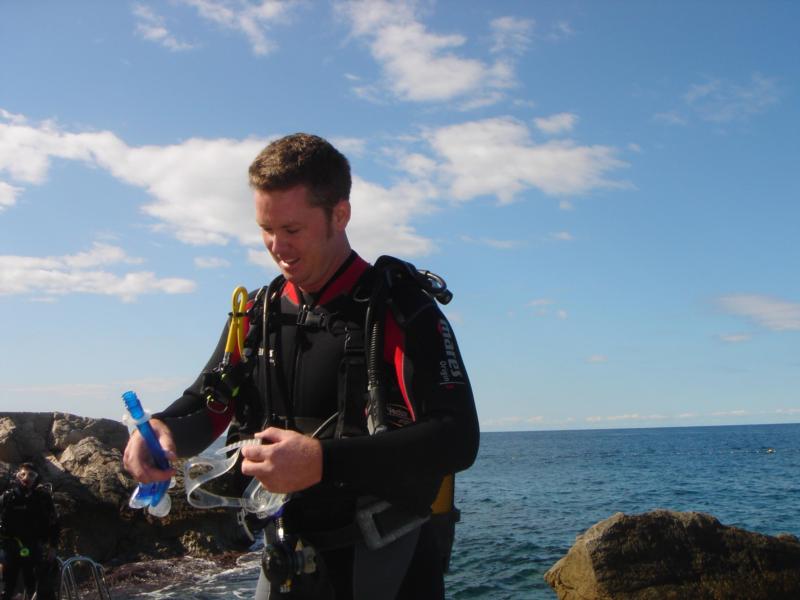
(279, 244)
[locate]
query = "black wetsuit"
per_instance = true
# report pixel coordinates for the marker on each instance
(403, 466)
(27, 523)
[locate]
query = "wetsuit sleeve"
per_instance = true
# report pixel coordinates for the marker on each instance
(407, 464)
(193, 426)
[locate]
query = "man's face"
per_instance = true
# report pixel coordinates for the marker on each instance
(26, 477)
(307, 246)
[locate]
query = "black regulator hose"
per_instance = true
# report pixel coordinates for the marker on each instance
(376, 385)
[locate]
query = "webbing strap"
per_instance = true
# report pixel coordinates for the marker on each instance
(377, 524)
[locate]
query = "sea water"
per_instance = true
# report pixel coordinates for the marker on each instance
(530, 493)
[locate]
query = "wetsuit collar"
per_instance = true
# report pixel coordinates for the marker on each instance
(340, 283)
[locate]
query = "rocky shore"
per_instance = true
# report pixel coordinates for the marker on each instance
(81, 458)
(133, 578)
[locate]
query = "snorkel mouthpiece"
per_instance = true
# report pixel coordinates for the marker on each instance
(154, 495)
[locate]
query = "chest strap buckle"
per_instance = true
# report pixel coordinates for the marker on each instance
(313, 320)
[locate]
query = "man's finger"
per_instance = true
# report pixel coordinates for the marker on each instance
(272, 434)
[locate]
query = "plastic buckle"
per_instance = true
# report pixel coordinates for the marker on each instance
(308, 318)
(366, 517)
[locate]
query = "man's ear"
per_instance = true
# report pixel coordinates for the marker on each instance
(341, 215)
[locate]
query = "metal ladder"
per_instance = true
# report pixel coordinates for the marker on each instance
(68, 586)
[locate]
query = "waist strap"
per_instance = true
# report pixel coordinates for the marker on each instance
(377, 523)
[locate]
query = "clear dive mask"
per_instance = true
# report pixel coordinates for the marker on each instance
(256, 499)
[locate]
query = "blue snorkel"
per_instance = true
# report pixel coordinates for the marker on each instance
(151, 495)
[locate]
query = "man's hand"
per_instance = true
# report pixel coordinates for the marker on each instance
(137, 458)
(288, 462)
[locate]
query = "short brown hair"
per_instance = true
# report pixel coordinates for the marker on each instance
(306, 159)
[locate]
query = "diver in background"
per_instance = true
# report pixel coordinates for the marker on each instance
(30, 530)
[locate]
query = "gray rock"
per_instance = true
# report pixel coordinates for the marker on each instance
(23, 434)
(81, 461)
(9, 453)
(70, 429)
(666, 555)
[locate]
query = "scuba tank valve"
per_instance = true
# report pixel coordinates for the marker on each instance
(151, 495)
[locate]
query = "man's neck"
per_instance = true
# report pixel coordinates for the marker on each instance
(313, 297)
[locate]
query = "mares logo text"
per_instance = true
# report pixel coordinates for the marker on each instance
(449, 368)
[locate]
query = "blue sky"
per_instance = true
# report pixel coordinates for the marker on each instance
(609, 188)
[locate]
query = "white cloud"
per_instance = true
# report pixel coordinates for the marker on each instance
(100, 254)
(198, 189)
(12, 118)
(417, 165)
(539, 302)
(721, 101)
(151, 27)
(560, 30)
(771, 313)
(497, 157)
(597, 359)
(511, 34)
(381, 218)
(555, 124)
(542, 307)
(25, 151)
(418, 65)
(735, 338)
(730, 413)
(671, 117)
(562, 236)
(627, 417)
(262, 258)
(349, 146)
(59, 275)
(492, 243)
(211, 262)
(242, 16)
(566, 205)
(8, 195)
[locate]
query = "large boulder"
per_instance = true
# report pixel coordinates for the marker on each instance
(81, 461)
(667, 555)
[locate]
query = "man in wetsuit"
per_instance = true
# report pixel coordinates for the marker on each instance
(29, 529)
(317, 443)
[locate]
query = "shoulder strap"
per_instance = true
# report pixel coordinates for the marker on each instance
(272, 298)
